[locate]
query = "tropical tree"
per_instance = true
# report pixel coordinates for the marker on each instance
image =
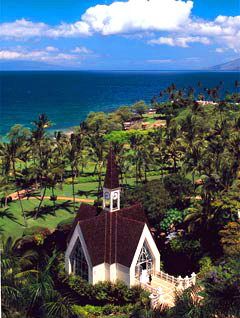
(73, 155)
(17, 150)
(230, 239)
(139, 107)
(222, 290)
(41, 286)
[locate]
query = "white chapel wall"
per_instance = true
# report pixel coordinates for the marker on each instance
(146, 235)
(122, 273)
(101, 272)
(78, 234)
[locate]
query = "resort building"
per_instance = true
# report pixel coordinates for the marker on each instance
(113, 244)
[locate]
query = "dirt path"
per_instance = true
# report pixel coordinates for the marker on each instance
(62, 198)
(23, 193)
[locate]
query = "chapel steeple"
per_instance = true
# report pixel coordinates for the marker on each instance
(111, 189)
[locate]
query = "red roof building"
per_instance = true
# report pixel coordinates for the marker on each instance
(115, 244)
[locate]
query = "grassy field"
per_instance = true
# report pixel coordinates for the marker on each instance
(82, 190)
(12, 221)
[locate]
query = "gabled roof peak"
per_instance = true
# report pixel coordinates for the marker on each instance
(111, 178)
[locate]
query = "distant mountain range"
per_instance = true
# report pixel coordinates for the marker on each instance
(229, 66)
(30, 66)
(25, 65)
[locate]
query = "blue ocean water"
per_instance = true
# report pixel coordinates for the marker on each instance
(67, 96)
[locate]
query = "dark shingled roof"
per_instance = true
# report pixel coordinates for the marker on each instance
(111, 237)
(111, 178)
(85, 212)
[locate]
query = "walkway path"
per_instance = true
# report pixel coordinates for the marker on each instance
(23, 193)
(167, 288)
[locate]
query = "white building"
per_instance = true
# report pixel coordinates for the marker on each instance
(115, 244)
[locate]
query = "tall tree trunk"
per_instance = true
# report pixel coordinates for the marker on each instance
(136, 173)
(6, 201)
(53, 198)
(145, 173)
(99, 184)
(19, 197)
(41, 201)
(73, 190)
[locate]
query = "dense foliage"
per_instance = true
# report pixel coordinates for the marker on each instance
(186, 174)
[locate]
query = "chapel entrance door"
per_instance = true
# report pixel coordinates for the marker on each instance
(144, 266)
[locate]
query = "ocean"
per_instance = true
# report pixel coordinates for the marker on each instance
(68, 96)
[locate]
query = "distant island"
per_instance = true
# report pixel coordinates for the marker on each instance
(27, 65)
(229, 66)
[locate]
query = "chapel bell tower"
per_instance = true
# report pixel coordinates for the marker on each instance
(111, 189)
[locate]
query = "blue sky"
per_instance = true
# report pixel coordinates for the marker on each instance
(127, 34)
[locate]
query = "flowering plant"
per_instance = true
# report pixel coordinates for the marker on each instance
(40, 237)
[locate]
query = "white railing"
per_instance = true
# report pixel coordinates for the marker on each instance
(156, 296)
(151, 289)
(169, 278)
(179, 282)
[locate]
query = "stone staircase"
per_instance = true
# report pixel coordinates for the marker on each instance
(168, 290)
(163, 287)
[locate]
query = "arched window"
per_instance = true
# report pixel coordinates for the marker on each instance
(78, 261)
(145, 261)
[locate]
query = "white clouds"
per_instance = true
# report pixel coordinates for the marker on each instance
(49, 54)
(18, 55)
(219, 50)
(21, 29)
(82, 50)
(69, 30)
(179, 41)
(34, 55)
(138, 15)
(223, 30)
(117, 18)
(160, 61)
(51, 49)
(166, 22)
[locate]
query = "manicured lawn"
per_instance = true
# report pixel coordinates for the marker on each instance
(12, 222)
(87, 190)
(15, 227)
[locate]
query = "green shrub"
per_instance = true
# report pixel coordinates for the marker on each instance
(206, 266)
(96, 310)
(78, 310)
(109, 309)
(34, 229)
(81, 286)
(173, 216)
(106, 292)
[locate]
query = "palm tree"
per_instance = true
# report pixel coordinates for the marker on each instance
(74, 152)
(5, 189)
(58, 306)
(173, 147)
(43, 170)
(98, 152)
(16, 150)
(13, 280)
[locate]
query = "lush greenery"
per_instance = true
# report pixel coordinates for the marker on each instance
(186, 175)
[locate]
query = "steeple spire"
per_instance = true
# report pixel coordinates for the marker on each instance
(111, 189)
(111, 178)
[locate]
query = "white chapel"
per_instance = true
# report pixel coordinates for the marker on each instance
(113, 244)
